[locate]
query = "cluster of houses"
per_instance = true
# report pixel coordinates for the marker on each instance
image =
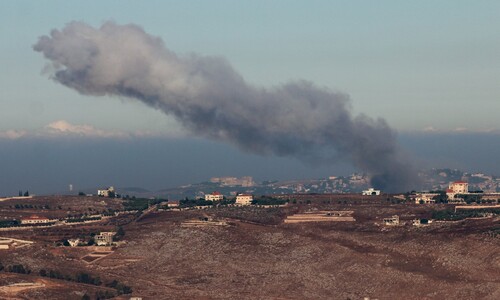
(395, 221)
(453, 191)
(241, 199)
(105, 238)
(454, 188)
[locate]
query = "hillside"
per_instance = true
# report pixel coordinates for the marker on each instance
(249, 253)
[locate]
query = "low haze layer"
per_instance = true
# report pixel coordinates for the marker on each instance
(45, 165)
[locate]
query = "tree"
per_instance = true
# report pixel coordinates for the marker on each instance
(18, 269)
(119, 234)
(43, 273)
(441, 197)
(26, 194)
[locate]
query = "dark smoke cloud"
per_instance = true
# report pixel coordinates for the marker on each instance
(212, 100)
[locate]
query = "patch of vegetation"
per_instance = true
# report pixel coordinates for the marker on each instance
(227, 201)
(31, 206)
(19, 268)
(76, 220)
(441, 197)
(119, 234)
(190, 203)
(120, 287)
(140, 204)
(494, 232)
(469, 198)
(449, 215)
(9, 223)
(266, 200)
(86, 278)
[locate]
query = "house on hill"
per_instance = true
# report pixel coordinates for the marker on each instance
(457, 187)
(173, 203)
(215, 196)
(106, 193)
(104, 238)
(392, 221)
(74, 242)
(425, 198)
(244, 199)
(371, 192)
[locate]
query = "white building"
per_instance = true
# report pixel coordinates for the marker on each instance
(35, 220)
(371, 192)
(104, 239)
(74, 242)
(215, 196)
(173, 203)
(105, 193)
(244, 199)
(425, 198)
(392, 221)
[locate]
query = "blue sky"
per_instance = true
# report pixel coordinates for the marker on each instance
(418, 64)
(430, 68)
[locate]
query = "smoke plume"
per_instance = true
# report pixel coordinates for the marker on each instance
(209, 98)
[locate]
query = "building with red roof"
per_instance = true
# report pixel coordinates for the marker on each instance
(457, 187)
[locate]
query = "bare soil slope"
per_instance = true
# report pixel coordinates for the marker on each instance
(254, 259)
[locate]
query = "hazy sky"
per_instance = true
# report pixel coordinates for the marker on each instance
(425, 66)
(418, 64)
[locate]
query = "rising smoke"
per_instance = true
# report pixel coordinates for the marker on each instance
(209, 98)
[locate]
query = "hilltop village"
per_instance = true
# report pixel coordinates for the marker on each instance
(226, 240)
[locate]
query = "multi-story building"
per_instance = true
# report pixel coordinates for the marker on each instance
(104, 239)
(215, 196)
(244, 199)
(457, 187)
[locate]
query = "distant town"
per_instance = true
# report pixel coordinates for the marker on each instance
(430, 180)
